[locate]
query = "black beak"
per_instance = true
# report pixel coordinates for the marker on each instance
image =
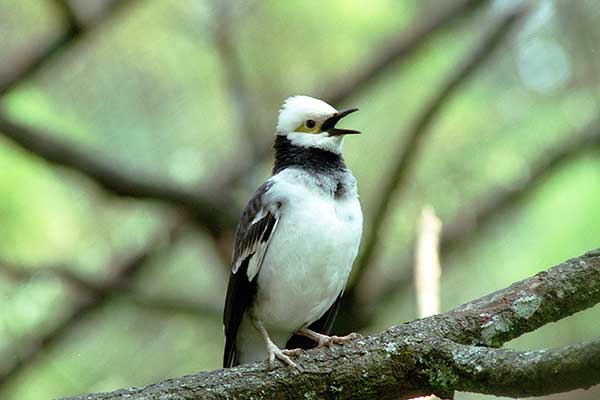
(329, 124)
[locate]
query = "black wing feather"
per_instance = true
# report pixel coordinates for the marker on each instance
(241, 290)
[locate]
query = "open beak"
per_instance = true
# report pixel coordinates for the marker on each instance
(329, 124)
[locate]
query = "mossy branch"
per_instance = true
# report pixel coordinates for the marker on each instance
(440, 354)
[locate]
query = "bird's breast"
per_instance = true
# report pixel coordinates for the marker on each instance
(309, 258)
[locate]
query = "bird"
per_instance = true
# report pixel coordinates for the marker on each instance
(296, 241)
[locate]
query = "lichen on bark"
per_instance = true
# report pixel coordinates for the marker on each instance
(439, 354)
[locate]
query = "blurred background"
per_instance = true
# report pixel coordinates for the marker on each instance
(132, 132)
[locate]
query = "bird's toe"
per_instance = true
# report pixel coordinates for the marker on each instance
(287, 360)
(283, 355)
(344, 339)
(292, 352)
(325, 341)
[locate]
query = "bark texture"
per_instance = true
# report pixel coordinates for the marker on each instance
(440, 354)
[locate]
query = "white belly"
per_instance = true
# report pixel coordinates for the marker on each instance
(306, 266)
(308, 261)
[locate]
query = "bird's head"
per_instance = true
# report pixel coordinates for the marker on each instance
(310, 122)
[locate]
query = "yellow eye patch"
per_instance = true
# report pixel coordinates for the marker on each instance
(309, 126)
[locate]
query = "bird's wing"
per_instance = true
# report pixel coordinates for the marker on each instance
(322, 325)
(252, 238)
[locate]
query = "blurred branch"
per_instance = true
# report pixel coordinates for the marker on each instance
(210, 211)
(474, 217)
(121, 273)
(170, 306)
(239, 92)
(394, 50)
(214, 211)
(72, 24)
(207, 209)
(91, 288)
(395, 180)
(20, 273)
(439, 354)
(73, 33)
(399, 49)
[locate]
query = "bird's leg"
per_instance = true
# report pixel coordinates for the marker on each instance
(326, 340)
(273, 350)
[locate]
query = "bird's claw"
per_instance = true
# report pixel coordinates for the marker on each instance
(329, 341)
(283, 355)
(292, 352)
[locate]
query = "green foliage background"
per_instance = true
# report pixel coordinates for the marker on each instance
(147, 92)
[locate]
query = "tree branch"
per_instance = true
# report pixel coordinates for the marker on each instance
(436, 355)
(503, 372)
(528, 304)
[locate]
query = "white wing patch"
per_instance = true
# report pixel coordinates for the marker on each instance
(259, 255)
(259, 215)
(256, 242)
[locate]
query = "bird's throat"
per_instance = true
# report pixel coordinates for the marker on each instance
(311, 159)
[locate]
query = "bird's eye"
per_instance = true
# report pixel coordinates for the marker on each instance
(310, 123)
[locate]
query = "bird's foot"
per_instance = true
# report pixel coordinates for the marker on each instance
(326, 340)
(274, 351)
(282, 355)
(341, 339)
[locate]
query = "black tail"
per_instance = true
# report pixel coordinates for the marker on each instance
(230, 355)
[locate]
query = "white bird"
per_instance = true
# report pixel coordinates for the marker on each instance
(296, 241)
